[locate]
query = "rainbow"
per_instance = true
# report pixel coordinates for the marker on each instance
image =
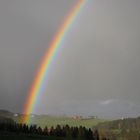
(40, 78)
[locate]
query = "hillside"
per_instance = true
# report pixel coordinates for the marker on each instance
(5, 113)
(125, 129)
(45, 120)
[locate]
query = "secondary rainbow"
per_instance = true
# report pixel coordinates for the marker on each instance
(39, 82)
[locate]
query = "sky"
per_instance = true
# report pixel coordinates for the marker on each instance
(96, 71)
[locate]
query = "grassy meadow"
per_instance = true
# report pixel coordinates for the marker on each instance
(44, 120)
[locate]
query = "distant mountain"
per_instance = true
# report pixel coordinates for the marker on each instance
(6, 116)
(5, 113)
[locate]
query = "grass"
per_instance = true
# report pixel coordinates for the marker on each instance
(53, 121)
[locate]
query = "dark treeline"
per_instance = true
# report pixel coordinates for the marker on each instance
(59, 131)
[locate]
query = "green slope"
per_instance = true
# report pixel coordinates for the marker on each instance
(53, 121)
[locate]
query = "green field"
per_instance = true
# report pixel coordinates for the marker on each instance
(53, 121)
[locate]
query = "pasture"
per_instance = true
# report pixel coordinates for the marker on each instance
(44, 120)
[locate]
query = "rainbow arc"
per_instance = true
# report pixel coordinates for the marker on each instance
(55, 45)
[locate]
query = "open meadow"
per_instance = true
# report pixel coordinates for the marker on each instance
(49, 121)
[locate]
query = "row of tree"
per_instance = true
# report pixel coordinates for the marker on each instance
(58, 131)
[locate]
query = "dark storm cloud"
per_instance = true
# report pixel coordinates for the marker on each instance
(95, 72)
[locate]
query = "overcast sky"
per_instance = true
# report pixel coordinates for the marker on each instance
(97, 69)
